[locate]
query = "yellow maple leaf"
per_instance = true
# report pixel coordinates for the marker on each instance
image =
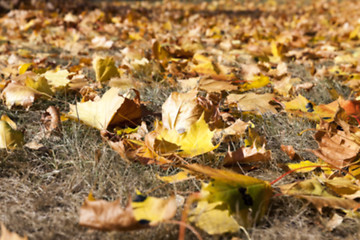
(153, 210)
(308, 166)
(104, 69)
(195, 141)
(179, 177)
(243, 196)
(213, 219)
(10, 137)
(24, 67)
(302, 107)
(257, 81)
(111, 109)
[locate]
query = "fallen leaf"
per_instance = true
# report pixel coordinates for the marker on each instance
(334, 222)
(142, 212)
(7, 235)
(153, 210)
(315, 191)
(105, 69)
(245, 155)
(57, 79)
(23, 90)
(212, 218)
(302, 107)
(51, 119)
(308, 166)
(285, 85)
(237, 129)
(108, 216)
(336, 147)
(289, 150)
(180, 111)
(10, 138)
(178, 177)
(110, 111)
(212, 85)
(195, 141)
(252, 102)
(17, 94)
(257, 81)
(245, 196)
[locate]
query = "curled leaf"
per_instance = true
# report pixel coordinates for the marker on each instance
(9, 136)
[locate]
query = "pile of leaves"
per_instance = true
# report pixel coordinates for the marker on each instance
(227, 67)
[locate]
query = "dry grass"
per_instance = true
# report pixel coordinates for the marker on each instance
(41, 191)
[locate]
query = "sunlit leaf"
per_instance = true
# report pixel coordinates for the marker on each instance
(57, 79)
(180, 111)
(10, 138)
(242, 195)
(7, 235)
(178, 177)
(105, 69)
(195, 141)
(111, 110)
(153, 210)
(142, 212)
(252, 102)
(257, 81)
(213, 218)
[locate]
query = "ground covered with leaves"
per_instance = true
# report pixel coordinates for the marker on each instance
(166, 120)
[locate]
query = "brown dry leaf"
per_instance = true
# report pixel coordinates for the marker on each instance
(250, 70)
(252, 102)
(180, 111)
(289, 150)
(247, 155)
(322, 193)
(142, 212)
(285, 85)
(211, 85)
(189, 83)
(7, 235)
(51, 119)
(305, 86)
(320, 202)
(108, 216)
(134, 150)
(336, 147)
(236, 129)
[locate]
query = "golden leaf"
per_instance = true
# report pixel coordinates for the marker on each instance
(111, 110)
(105, 69)
(9, 136)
